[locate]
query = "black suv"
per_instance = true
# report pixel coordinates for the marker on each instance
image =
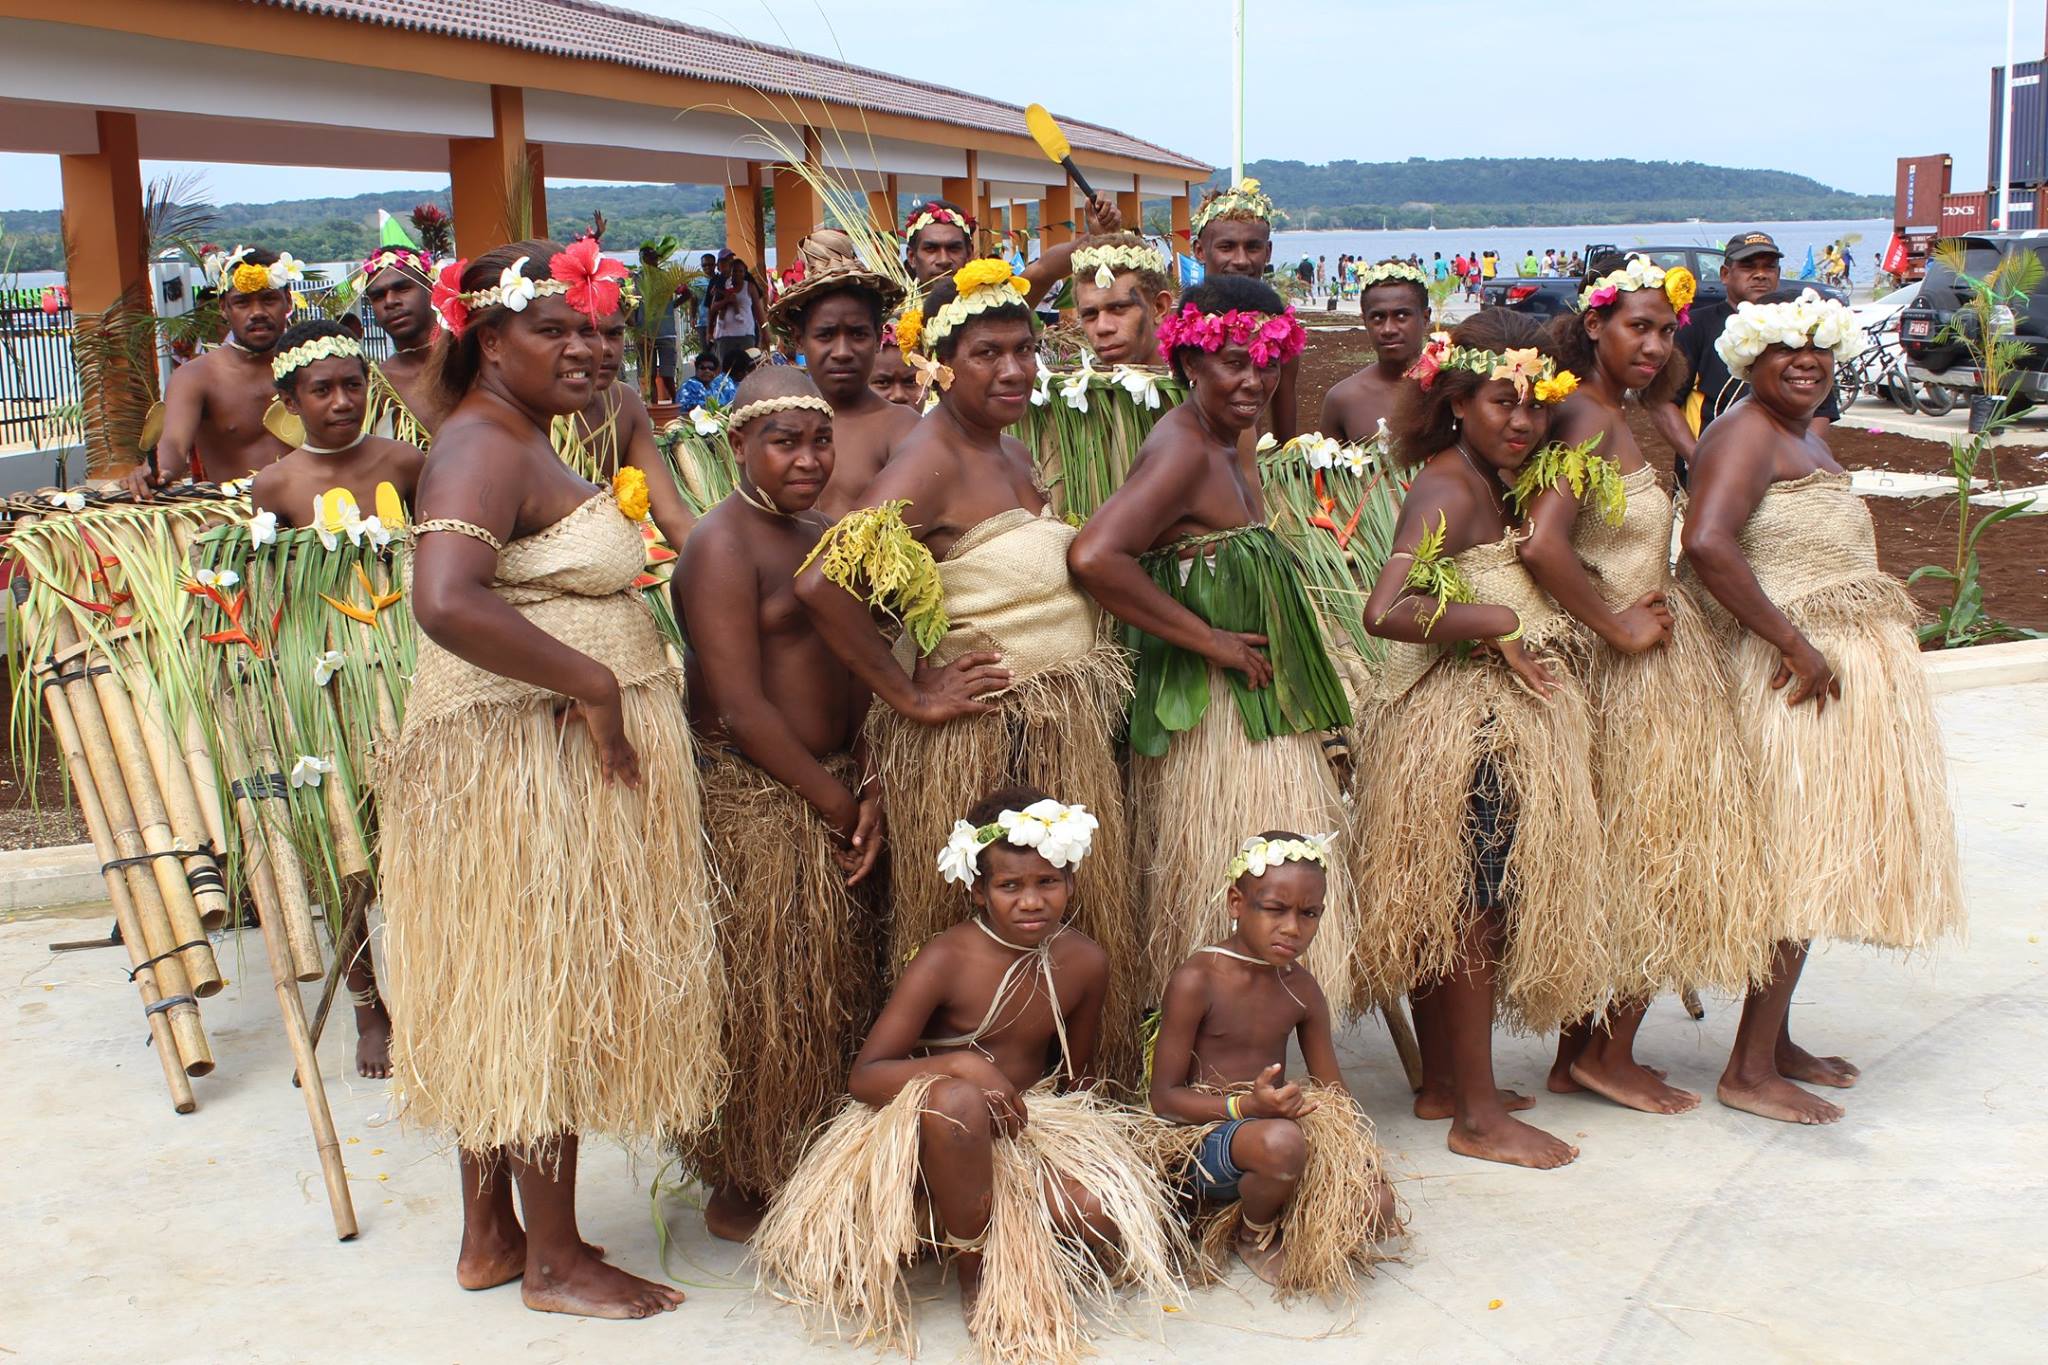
(1932, 356)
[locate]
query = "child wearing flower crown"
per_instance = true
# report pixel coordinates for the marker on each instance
(1287, 1173)
(956, 1137)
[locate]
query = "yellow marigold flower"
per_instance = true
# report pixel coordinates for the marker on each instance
(629, 490)
(251, 279)
(1558, 389)
(981, 274)
(1680, 286)
(909, 330)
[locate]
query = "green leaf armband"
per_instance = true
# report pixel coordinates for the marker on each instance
(1590, 477)
(873, 555)
(1434, 573)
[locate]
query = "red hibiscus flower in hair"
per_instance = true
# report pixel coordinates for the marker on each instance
(593, 278)
(1423, 371)
(447, 297)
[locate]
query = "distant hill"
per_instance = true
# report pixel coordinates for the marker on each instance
(1537, 192)
(1470, 192)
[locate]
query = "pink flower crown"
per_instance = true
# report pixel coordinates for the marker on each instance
(409, 260)
(1272, 338)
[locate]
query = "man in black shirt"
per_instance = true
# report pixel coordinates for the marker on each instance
(1751, 271)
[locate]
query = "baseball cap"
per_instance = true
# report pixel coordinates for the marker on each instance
(1744, 245)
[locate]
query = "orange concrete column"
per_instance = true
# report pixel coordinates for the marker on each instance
(106, 256)
(1183, 220)
(882, 210)
(1056, 221)
(484, 175)
(536, 167)
(743, 217)
(796, 213)
(961, 190)
(1020, 227)
(1132, 206)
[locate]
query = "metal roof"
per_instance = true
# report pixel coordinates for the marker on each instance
(587, 31)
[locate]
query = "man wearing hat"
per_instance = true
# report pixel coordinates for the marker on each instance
(1750, 271)
(832, 304)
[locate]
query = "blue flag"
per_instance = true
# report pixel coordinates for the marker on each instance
(1191, 271)
(1808, 271)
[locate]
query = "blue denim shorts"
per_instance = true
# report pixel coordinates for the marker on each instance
(1216, 1175)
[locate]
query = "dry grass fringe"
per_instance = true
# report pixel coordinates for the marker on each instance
(1855, 802)
(1053, 730)
(1331, 1228)
(838, 1239)
(1417, 844)
(1197, 804)
(554, 966)
(800, 949)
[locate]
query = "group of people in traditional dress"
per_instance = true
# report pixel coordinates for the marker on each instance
(960, 887)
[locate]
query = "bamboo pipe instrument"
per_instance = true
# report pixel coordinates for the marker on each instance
(284, 982)
(181, 801)
(152, 821)
(152, 920)
(267, 841)
(155, 1012)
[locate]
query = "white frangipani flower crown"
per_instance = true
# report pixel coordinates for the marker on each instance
(1259, 855)
(1060, 834)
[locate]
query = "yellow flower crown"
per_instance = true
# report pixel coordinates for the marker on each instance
(1105, 261)
(1258, 856)
(304, 354)
(983, 285)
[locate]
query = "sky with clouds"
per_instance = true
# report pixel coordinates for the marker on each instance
(1834, 89)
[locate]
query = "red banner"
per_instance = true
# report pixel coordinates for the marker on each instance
(1895, 255)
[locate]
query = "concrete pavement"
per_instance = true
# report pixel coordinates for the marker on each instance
(1911, 1231)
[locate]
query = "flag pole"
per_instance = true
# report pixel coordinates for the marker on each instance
(1237, 88)
(2004, 219)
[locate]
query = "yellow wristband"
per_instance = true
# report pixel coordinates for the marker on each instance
(1514, 634)
(1234, 1106)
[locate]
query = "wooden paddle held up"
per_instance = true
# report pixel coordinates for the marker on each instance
(1053, 143)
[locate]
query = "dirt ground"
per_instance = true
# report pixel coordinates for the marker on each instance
(1910, 531)
(34, 813)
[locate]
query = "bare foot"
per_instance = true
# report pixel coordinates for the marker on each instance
(968, 1266)
(733, 1214)
(373, 1042)
(1266, 1261)
(1510, 1141)
(1559, 1081)
(1777, 1098)
(1628, 1083)
(588, 1288)
(1437, 1104)
(490, 1259)
(1795, 1063)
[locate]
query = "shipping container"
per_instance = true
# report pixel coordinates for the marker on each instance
(1916, 200)
(1961, 213)
(2029, 124)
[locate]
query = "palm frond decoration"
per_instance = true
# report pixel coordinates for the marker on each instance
(1336, 511)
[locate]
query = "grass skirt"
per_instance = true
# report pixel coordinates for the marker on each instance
(1687, 902)
(838, 1239)
(1195, 807)
(800, 951)
(1331, 1228)
(1856, 812)
(1054, 730)
(553, 966)
(1417, 844)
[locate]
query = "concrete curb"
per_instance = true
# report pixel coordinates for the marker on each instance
(33, 879)
(44, 878)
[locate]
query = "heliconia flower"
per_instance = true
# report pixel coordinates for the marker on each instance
(326, 665)
(308, 771)
(263, 529)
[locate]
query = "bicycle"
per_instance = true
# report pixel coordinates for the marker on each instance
(1881, 369)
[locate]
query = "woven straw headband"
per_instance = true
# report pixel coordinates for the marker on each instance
(762, 407)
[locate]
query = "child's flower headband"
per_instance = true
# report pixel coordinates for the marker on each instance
(1258, 855)
(304, 354)
(1391, 272)
(983, 285)
(1105, 261)
(1521, 367)
(1243, 200)
(1060, 833)
(1808, 320)
(1678, 285)
(1272, 338)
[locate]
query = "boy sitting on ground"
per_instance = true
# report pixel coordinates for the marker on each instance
(1288, 1173)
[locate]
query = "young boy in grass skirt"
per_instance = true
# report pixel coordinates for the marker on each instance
(793, 816)
(324, 380)
(1086, 424)
(1234, 684)
(1829, 695)
(1286, 1174)
(957, 1138)
(1685, 890)
(1004, 672)
(1479, 833)
(553, 969)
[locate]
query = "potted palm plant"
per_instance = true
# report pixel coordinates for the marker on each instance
(1986, 323)
(659, 277)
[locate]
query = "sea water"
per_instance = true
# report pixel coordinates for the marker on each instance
(1509, 243)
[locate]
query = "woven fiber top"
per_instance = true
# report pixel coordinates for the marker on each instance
(1809, 535)
(1633, 558)
(1007, 588)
